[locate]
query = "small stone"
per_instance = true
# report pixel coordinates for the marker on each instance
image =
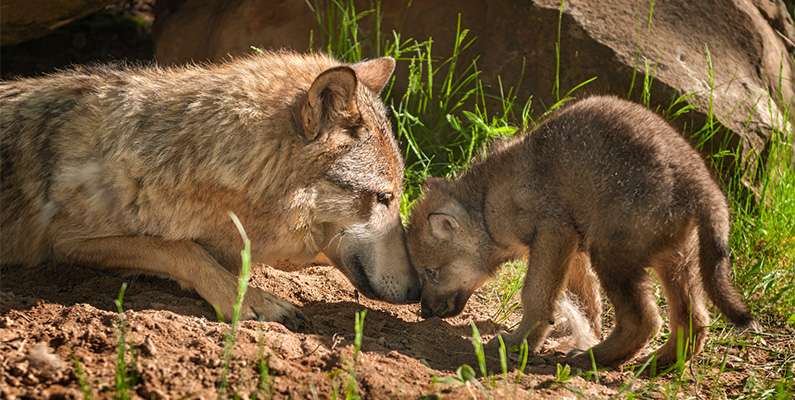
(151, 393)
(18, 370)
(148, 347)
(61, 392)
(30, 379)
(41, 358)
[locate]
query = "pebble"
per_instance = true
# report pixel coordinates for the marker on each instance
(148, 347)
(18, 370)
(30, 379)
(42, 358)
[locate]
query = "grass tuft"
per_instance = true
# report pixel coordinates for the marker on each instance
(242, 285)
(82, 378)
(123, 378)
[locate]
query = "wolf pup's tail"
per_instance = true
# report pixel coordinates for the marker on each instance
(715, 264)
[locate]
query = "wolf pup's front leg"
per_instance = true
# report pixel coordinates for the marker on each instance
(552, 249)
(187, 263)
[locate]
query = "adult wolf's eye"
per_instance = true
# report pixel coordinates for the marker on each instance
(384, 198)
(432, 274)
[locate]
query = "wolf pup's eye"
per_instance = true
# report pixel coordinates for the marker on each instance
(384, 198)
(433, 275)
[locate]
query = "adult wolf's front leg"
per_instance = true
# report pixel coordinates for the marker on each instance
(186, 262)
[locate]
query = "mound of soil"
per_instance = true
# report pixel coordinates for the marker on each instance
(53, 315)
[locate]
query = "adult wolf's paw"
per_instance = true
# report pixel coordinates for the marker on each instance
(263, 306)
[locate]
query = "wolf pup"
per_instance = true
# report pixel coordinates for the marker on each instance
(605, 178)
(138, 169)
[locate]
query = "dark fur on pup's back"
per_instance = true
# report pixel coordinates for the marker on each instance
(603, 178)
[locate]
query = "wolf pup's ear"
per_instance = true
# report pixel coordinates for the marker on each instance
(375, 74)
(443, 226)
(434, 183)
(331, 96)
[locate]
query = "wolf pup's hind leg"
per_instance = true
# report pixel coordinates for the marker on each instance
(678, 269)
(637, 318)
(186, 262)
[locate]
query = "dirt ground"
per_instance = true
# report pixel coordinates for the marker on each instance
(52, 315)
(177, 345)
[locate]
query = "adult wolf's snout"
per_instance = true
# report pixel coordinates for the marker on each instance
(376, 262)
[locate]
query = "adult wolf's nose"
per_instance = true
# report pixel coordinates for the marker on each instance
(425, 310)
(413, 295)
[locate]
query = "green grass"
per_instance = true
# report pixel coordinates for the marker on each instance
(352, 387)
(123, 378)
(82, 378)
(480, 353)
(343, 381)
(242, 286)
(264, 382)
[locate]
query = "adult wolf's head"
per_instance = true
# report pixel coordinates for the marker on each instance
(356, 220)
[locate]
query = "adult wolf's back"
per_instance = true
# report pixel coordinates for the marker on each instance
(137, 168)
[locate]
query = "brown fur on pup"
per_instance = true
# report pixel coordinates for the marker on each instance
(604, 178)
(128, 168)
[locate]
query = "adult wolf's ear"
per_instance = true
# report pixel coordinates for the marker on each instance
(443, 226)
(375, 74)
(332, 96)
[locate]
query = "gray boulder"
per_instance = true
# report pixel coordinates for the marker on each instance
(750, 43)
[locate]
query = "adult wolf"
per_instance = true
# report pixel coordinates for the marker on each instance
(138, 168)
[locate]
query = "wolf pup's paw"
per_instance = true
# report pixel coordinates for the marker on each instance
(579, 359)
(513, 344)
(513, 341)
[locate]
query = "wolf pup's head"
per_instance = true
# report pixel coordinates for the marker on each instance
(448, 247)
(356, 220)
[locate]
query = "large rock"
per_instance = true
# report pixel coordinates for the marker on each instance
(611, 39)
(28, 19)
